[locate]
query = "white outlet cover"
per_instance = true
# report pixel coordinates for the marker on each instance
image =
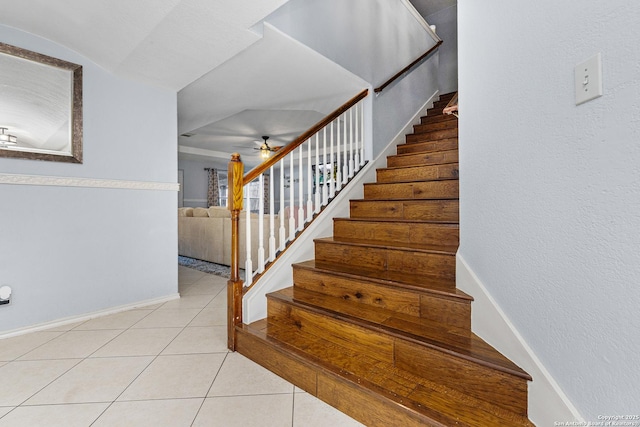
(5, 292)
(588, 79)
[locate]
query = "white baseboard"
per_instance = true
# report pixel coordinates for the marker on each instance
(84, 317)
(547, 402)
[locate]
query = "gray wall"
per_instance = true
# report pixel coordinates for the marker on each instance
(446, 22)
(373, 39)
(67, 251)
(196, 181)
(550, 191)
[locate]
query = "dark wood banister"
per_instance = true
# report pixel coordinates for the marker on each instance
(407, 68)
(236, 181)
(282, 153)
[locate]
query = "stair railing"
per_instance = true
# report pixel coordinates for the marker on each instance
(408, 67)
(324, 159)
(452, 106)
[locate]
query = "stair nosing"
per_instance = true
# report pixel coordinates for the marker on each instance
(432, 344)
(420, 153)
(386, 245)
(394, 168)
(399, 220)
(453, 294)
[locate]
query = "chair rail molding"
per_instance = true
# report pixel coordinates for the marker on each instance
(65, 181)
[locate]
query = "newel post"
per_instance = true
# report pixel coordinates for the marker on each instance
(234, 285)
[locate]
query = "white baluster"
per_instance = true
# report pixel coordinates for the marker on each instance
(248, 265)
(345, 166)
(292, 191)
(300, 192)
(357, 138)
(260, 268)
(338, 165)
(283, 232)
(318, 189)
(351, 154)
(272, 219)
(309, 183)
(361, 133)
(325, 186)
(332, 181)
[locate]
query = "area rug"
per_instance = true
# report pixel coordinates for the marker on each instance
(206, 267)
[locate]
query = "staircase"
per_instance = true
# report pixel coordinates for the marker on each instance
(375, 326)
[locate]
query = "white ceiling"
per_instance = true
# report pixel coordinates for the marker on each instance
(168, 43)
(234, 84)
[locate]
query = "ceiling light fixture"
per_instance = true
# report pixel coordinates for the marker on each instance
(265, 150)
(7, 140)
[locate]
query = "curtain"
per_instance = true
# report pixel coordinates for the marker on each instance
(213, 191)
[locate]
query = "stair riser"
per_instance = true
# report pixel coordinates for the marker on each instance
(475, 380)
(444, 311)
(417, 191)
(385, 259)
(429, 146)
(423, 159)
(425, 120)
(501, 389)
(354, 338)
(360, 291)
(430, 127)
(359, 403)
(425, 233)
(418, 173)
(428, 210)
(431, 136)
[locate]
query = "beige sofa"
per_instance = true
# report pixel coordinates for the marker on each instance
(206, 234)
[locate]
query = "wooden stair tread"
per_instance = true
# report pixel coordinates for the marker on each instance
(428, 403)
(430, 153)
(417, 283)
(410, 247)
(415, 167)
(469, 347)
(395, 221)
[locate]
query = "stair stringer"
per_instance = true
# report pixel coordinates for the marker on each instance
(280, 274)
(547, 402)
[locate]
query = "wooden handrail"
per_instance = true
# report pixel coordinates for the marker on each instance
(407, 68)
(282, 153)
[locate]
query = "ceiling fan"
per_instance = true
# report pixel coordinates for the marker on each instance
(265, 148)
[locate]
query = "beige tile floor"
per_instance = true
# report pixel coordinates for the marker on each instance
(165, 365)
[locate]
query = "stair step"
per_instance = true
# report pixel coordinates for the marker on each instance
(429, 127)
(428, 210)
(438, 262)
(445, 189)
(461, 362)
(432, 136)
(423, 159)
(391, 230)
(412, 295)
(372, 392)
(418, 173)
(428, 146)
(438, 118)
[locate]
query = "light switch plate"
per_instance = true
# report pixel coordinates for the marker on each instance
(588, 75)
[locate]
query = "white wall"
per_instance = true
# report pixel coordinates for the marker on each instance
(68, 251)
(550, 191)
(446, 22)
(374, 39)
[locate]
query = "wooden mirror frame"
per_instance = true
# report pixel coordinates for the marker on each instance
(75, 107)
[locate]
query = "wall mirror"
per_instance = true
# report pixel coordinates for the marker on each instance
(40, 106)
